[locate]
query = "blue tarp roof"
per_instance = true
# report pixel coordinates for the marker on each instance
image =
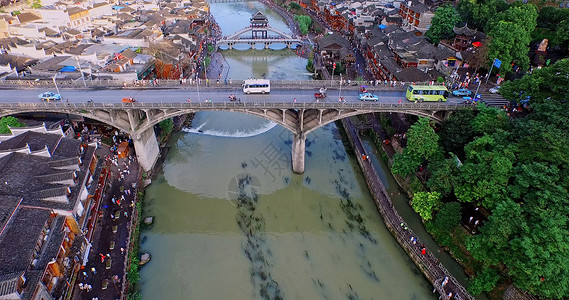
(68, 69)
(118, 7)
(381, 26)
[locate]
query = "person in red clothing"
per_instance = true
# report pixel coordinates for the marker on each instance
(424, 251)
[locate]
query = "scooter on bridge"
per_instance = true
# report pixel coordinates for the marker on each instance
(233, 98)
(321, 94)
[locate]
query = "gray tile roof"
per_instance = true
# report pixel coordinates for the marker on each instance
(20, 237)
(48, 253)
(7, 206)
(412, 75)
(36, 141)
(331, 39)
(390, 65)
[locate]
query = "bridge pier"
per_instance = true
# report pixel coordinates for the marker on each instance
(298, 149)
(146, 147)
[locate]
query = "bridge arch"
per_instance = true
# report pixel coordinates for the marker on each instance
(4, 113)
(138, 119)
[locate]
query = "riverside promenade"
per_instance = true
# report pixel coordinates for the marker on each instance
(427, 263)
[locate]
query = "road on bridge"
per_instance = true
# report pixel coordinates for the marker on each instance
(217, 95)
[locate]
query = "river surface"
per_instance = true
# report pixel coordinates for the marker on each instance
(233, 222)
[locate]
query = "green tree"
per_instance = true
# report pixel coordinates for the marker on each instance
(477, 12)
(510, 43)
(443, 23)
(425, 204)
(304, 23)
(484, 281)
(340, 68)
(544, 85)
(294, 6)
(9, 121)
(457, 131)
(522, 15)
(493, 242)
(489, 120)
(422, 144)
(448, 217)
(511, 31)
(166, 127)
(444, 175)
(486, 173)
(445, 221)
(549, 17)
(562, 34)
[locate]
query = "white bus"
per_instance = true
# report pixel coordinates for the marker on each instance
(257, 86)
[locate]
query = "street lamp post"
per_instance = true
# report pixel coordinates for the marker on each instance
(55, 83)
(205, 71)
(340, 92)
(333, 68)
(198, 88)
(81, 71)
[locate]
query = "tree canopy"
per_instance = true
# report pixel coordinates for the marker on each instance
(304, 22)
(422, 144)
(443, 23)
(510, 31)
(425, 204)
(543, 85)
(516, 168)
(9, 121)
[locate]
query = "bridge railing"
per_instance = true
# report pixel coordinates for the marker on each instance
(234, 105)
(203, 84)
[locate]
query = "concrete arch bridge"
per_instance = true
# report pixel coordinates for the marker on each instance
(138, 119)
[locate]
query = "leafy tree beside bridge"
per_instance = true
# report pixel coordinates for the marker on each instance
(9, 121)
(517, 169)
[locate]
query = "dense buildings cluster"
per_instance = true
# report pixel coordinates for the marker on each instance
(47, 208)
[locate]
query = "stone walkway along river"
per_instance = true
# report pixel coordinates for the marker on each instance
(427, 263)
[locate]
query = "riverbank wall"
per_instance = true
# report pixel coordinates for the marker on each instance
(433, 270)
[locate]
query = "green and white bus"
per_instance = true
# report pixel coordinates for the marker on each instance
(422, 93)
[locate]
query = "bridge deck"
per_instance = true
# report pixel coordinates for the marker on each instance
(428, 264)
(372, 106)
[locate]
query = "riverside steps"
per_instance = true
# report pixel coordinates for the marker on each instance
(427, 263)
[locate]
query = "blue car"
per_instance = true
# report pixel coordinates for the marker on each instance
(461, 92)
(368, 97)
(49, 96)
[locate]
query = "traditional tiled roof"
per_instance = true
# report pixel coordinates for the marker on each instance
(390, 65)
(28, 17)
(333, 41)
(412, 75)
(382, 51)
(19, 239)
(48, 31)
(35, 140)
(7, 206)
(418, 7)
